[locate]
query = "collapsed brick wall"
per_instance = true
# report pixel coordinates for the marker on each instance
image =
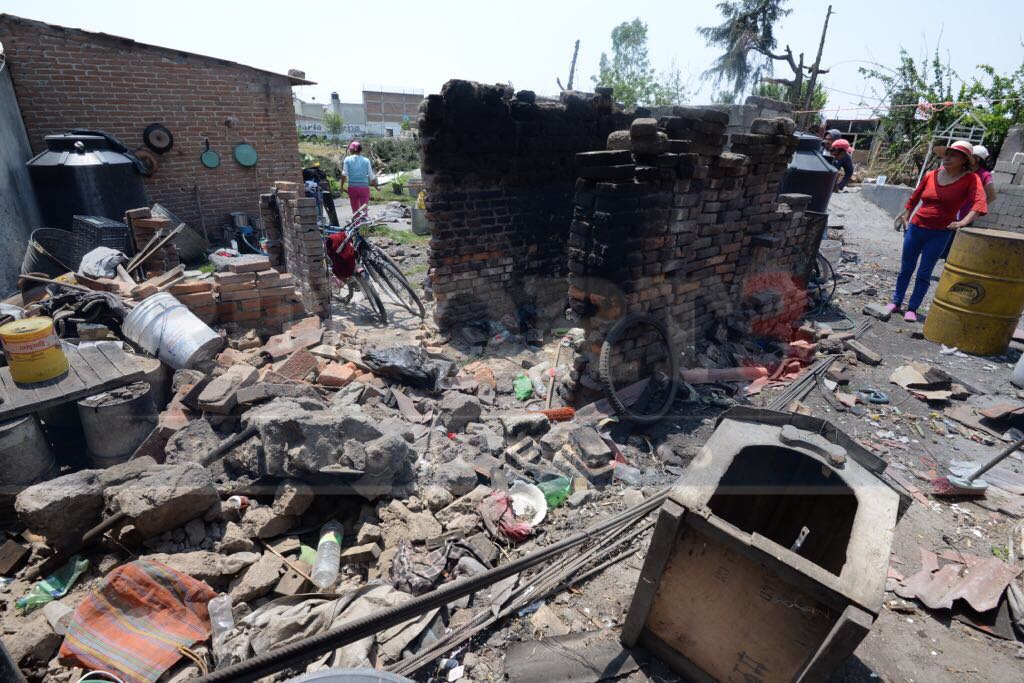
(66, 78)
(669, 224)
(499, 175)
(293, 234)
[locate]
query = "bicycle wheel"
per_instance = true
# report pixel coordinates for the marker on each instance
(396, 287)
(638, 368)
(372, 298)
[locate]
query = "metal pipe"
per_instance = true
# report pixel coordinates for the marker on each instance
(357, 629)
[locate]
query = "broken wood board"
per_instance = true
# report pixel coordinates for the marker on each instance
(92, 370)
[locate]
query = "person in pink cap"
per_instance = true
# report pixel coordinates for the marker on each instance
(930, 226)
(358, 173)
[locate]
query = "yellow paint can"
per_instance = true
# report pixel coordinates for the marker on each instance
(33, 350)
(981, 292)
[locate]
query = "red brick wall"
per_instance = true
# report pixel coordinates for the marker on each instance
(65, 79)
(389, 106)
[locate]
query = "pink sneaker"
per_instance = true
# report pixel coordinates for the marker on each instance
(910, 317)
(889, 308)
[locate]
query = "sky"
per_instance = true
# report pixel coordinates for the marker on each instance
(344, 46)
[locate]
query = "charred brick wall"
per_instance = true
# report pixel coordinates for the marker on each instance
(499, 173)
(668, 223)
(67, 78)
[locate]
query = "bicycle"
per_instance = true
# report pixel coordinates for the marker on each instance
(376, 272)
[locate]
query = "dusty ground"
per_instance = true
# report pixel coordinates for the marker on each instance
(919, 646)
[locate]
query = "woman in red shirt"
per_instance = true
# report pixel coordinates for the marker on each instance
(941, 193)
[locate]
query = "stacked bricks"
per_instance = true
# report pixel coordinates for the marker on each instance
(280, 300)
(144, 227)
(1006, 212)
(252, 295)
(303, 246)
(199, 297)
(683, 236)
(499, 176)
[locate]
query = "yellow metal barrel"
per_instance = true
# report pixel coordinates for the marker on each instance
(981, 292)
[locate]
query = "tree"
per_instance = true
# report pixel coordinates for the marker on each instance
(334, 123)
(724, 97)
(747, 38)
(629, 72)
(777, 91)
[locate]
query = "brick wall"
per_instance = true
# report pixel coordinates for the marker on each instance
(1007, 211)
(499, 174)
(66, 78)
(390, 106)
(669, 224)
(291, 222)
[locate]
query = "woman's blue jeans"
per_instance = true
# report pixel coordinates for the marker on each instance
(922, 249)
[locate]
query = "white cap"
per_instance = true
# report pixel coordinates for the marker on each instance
(980, 151)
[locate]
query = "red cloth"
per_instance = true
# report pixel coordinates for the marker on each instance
(940, 203)
(343, 265)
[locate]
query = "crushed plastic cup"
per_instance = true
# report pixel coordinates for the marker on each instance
(627, 474)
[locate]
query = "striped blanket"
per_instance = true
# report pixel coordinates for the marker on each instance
(133, 623)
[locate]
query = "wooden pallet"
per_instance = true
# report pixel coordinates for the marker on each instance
(93, 369)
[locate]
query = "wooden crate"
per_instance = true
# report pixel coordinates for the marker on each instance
(720, 598)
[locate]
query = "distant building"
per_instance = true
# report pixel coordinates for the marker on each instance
(382, 113)
(390, 110)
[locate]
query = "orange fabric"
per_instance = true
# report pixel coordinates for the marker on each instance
(133, 623)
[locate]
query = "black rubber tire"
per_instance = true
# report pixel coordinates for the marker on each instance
(615, 334)
(372, 298)
(397, 287)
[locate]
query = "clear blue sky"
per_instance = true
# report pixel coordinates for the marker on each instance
(343, 45)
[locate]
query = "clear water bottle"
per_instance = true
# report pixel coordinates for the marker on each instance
(328, 556)
(221, 621)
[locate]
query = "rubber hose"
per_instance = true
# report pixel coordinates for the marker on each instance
(357, 629)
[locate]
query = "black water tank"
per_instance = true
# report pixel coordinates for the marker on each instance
(81, 174)
(810, 173)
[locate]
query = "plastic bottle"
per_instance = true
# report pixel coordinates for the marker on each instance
(221, 618)
(221, 621)
(328, 556)
(555, 490)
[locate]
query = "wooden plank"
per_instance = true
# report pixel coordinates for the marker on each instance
(93, 374)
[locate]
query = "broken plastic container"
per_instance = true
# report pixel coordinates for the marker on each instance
(555, 490)
(627, 474)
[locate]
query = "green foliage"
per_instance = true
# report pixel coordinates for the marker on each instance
(629, 72)
(392, 155)
(334, 123)
(777, 91)
(906, 138)
(724, 97)
(998, 116)
(746, 36)
(400, 236)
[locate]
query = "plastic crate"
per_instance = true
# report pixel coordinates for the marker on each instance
(96, 231)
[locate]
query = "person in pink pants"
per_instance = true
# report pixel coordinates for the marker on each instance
(358, 174)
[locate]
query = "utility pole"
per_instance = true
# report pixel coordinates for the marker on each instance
(815, 70)
(572, 69)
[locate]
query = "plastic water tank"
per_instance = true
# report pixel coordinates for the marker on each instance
(84, 174)
(810, 173)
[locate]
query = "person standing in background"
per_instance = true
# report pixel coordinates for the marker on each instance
(985, 176)
(930, 227)
(358, 173)
(842, 158)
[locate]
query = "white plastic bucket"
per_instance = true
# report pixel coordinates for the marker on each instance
(164, 327)
(1017, 378)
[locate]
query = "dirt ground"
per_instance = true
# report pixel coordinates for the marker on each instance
(910, 644)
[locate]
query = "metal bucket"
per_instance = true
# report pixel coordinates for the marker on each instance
(116, 422)
(25, 455)
(350, 676)
(158, 377)
(164, 327)
(981, 293)
(420, 224)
